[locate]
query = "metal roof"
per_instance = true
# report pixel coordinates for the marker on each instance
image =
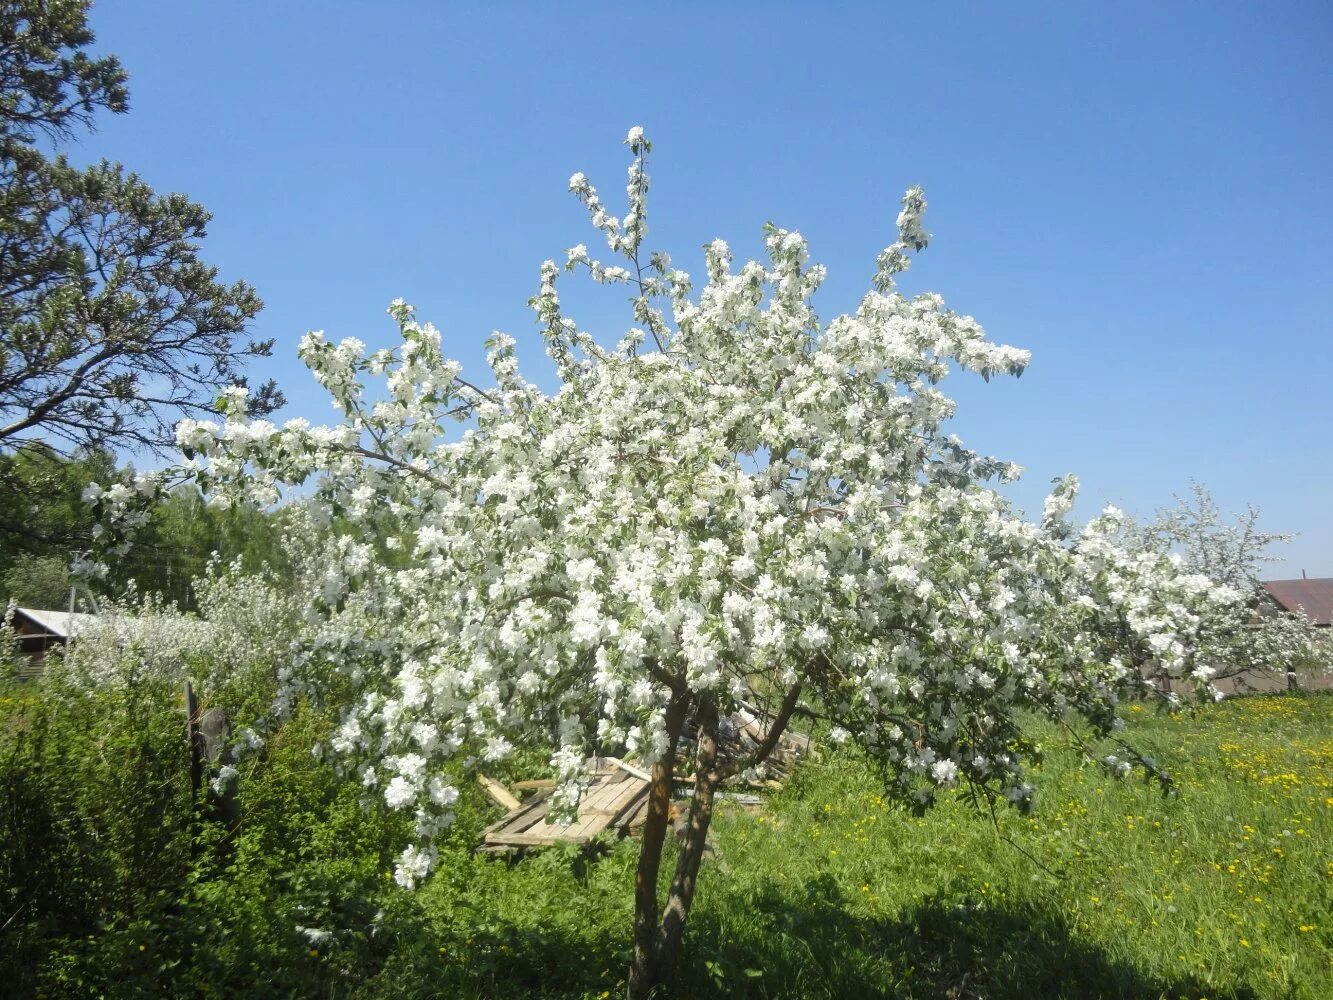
(1314, 597)
(62, 624)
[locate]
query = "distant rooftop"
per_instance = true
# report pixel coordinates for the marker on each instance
(59, 624)
(1314, 597)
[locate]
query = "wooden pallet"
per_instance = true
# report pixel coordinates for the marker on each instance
(612, 800)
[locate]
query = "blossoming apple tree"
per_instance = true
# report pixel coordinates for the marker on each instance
(735, 501)
(1253, 641)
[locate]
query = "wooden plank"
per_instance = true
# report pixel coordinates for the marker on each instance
(629, 791)
(531, 839)
(613, 798)
(593, 815)
(608, 810)
(739, 799)
(633, 803)
(607, 800)
(534, 783)
(528, 818)
(520, 840)
(537, 803)
(750, 725)
(638, 817)
(637, 772)
(585, 832)
(546, 832)
(500, 795)
(194, 742)
(502, 835)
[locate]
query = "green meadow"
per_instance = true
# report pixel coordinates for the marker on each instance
(1109, 888)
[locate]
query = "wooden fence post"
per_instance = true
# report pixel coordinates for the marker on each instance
(214, 735)
(192, 741)
(207, 736)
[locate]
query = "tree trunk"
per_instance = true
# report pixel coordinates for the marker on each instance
(643, 968)
(681, 896)
(656, 948)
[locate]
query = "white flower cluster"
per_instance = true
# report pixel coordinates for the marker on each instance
(1152, 616)
(119, 510)
(1242, 642)
(737, 501)
(135, 638)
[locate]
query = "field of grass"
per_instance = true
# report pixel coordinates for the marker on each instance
(1108, 889)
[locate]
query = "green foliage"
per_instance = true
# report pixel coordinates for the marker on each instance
(44, 520)
(94, 796)
(307, 854)
(36, 581)
(111, 326)
(47, 83)
(182, 536)
(41, 501)
(1107, 889)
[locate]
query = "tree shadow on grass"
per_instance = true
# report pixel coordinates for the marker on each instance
(816, 947)
(778, 945)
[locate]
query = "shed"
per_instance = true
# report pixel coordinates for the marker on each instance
(40, 630)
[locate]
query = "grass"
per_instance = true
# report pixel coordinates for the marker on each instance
(1106, 889)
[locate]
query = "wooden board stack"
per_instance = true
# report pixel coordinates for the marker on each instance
(615, 799)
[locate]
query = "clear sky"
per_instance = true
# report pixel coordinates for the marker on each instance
(1137, 192)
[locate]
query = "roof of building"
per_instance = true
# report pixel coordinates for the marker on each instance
(61, 624)
(1314, 597)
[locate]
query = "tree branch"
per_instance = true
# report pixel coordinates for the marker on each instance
(775, 731)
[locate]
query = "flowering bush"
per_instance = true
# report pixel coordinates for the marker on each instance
(1149, 614)
(734, 501)
(1244, 638)
(245, 625)
(133, 638)
(95, 809)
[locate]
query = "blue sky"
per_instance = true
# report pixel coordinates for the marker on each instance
(1137, 192)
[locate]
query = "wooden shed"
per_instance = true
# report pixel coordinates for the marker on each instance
(39, 631)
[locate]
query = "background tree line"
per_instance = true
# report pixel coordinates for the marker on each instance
(47, 520)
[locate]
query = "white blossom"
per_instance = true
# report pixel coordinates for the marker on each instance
(736, 494)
